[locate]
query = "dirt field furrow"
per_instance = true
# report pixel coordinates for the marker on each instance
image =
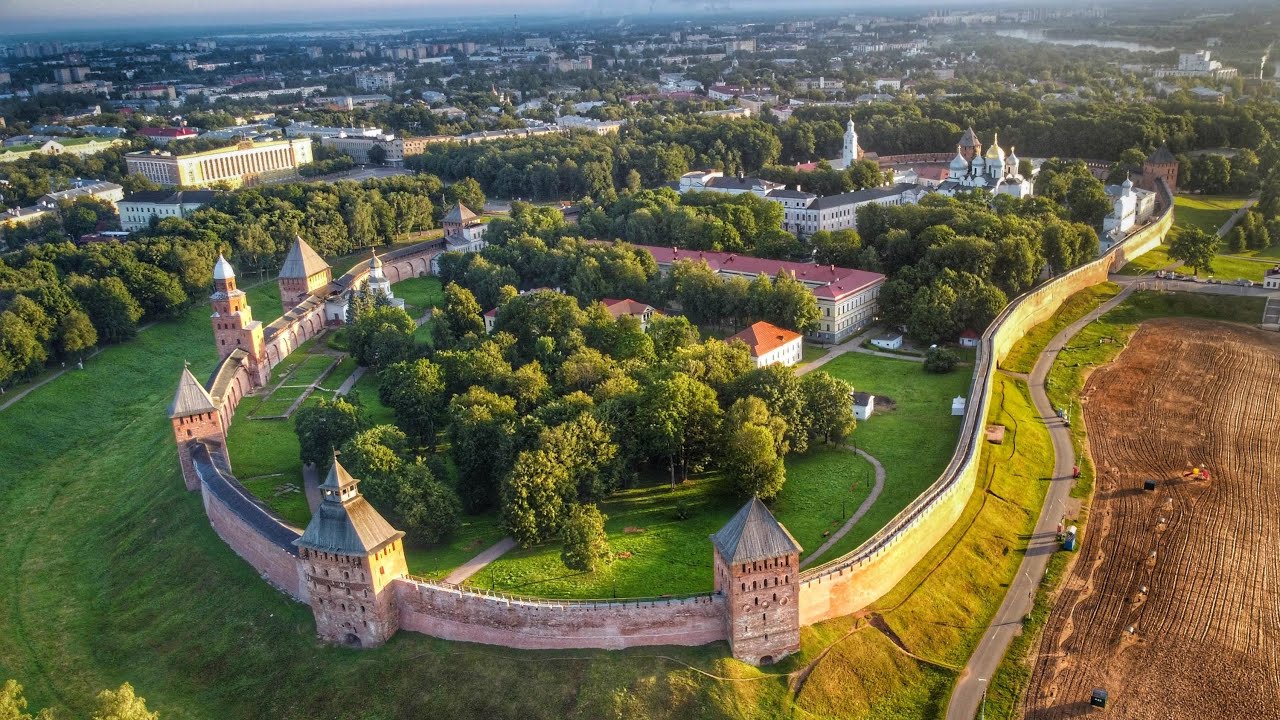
(1174, 603)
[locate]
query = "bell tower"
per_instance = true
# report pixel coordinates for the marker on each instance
(851, 153)
(349, 556)
(756, 563)
(233, 325)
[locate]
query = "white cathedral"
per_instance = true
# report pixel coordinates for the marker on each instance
(994, 171)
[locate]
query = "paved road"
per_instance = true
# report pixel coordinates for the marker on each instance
(477, 563)
(856, 516)
(1007, 623)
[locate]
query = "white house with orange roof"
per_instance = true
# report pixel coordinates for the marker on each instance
(772, 345)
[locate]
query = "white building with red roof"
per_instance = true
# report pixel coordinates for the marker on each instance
(772, 345)
(632, 308)
(846, 297)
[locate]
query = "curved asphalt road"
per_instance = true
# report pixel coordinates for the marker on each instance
(967, 695)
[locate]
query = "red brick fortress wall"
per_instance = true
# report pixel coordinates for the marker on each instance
(452, 613)
(852, 582)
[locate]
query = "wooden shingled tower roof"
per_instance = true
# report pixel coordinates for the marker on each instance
(459, 214)
(345, 523)
(302, 262)
(753, 533)
(191, 398)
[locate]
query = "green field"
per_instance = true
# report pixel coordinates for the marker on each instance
(656, 553)
(1157, 258)
(942, 607)
(1022, 356)
(1207, 212)
(914, 440)
(419, 294)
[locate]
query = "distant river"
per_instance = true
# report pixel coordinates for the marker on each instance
(1039, 36)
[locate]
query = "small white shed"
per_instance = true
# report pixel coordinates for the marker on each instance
(863, 405)
(890, 341)
(957, 406)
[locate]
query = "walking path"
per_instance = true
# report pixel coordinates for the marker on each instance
(477, 563)
(853, 344)
(856, 516)
(311, 485)
(1007, 623)
(351, 380)
(1238, 214)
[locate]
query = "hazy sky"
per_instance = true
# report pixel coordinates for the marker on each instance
(19, 16)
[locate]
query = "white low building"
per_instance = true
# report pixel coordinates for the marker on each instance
(772, 345)
(864, 404)
(891, 341)
(1131, 209)
(137, 209)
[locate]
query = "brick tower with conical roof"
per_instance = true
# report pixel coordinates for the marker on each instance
(349, 556)
(195, 417)
(1161, 164)
(304, 272)
(756, 564)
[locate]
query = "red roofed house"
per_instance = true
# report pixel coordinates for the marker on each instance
(490, 317)
(846, 297)
(771, 345)
(166, 135)
(633, 308)
(969, 338)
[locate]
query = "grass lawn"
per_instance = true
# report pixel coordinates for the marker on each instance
(477, 533)
(810, 352)
(1206, 212)
(1022, 356)
(656, 553)
(375, 411)
(914, 441)
(419, 294)
(1154, 259)
(1228, 268)
(941, 608)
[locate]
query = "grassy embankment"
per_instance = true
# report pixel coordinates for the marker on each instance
(1207, 213)
(132, 584)
(1097, 344)
(1022, 356)
(940, 610)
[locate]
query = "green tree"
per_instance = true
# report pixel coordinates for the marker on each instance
(829, 406)
(122, 704)
(428, 510)
(586, 547)
(1195, 248)
(460, 318)
(751, 464)
(468, 192)
(113, 311)
(323, 427)
(940, 360)
(20, 344)
(678, 419)
(75, 334)
(13, 705)
(533, 498)
(481, 436)
(780, 389)
(415, 391)
(381, 336)
(377, 155)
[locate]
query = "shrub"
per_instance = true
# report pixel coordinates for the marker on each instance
(585, 544)
(940, 360)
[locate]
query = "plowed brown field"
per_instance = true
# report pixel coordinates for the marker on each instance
(1174, 604)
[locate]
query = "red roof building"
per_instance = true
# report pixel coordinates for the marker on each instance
(771, 345)
(846, 297)
(166, 135)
